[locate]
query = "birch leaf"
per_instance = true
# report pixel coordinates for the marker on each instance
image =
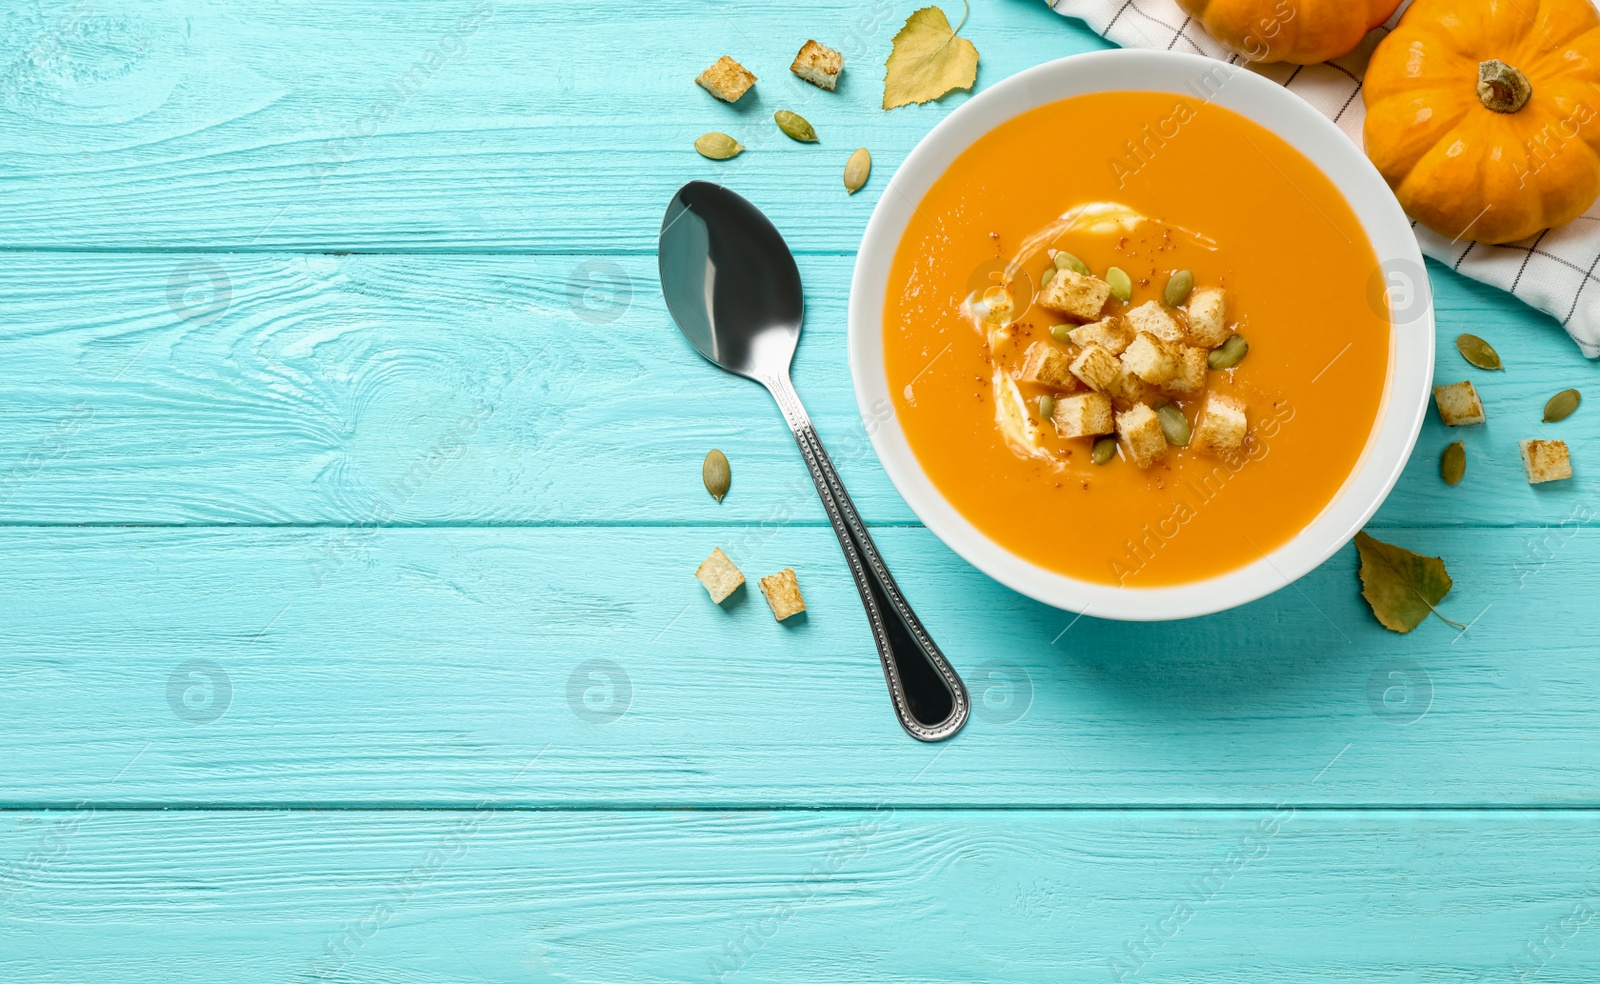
(928, 60)
(1402, 587)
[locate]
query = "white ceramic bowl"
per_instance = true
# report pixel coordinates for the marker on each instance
(1402, 276)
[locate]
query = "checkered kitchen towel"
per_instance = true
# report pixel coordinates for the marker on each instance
(1554, 271)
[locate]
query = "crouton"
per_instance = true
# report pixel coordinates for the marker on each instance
(1086, 415)
(1150, 318)
(1222, 425)
(1208, 325)
(818, 64)
(1459, 404)
(719, 575)
(727, 79)
(1150, 359)
(1079, 297)
(1096, 367)
(783, 594)
(1140, 435)
(1110, 334)
(1192, 369)
(1546, 461)
(1128, 389)
(1047, 365)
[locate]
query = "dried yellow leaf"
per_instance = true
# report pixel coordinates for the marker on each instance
(1402, 587)
(928, 60)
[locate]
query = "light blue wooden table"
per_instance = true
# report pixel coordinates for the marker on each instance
(349, 468)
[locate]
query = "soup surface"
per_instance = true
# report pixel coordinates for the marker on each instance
(1151, 183)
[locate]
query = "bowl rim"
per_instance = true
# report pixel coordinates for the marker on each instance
(1407, 390)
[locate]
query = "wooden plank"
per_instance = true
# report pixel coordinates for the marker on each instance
(499, 125)
(393, 390)
(429, 666)
(406, 390)
(1273, 896)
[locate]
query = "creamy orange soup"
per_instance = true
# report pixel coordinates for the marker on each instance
(1151, 183)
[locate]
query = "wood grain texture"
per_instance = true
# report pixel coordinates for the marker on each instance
(362, 295)
(1272, 896)
(428, 667)
(422, 390)
(526, 126)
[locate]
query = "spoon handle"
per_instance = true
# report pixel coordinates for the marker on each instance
(929, 698)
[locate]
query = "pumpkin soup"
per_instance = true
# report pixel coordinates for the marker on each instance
(1129, 337)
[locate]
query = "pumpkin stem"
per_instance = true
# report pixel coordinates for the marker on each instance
(1502, 88)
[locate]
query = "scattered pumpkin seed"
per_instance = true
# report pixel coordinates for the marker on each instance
(1453, 463)
(1175, 425)
(1178, 288)
(795, 126)
(716, 474)
(1047, 406)
(1229, 354)
(1061, 333)
(1105, 449)
(1049, 275)
(1478, 352)
(718, 146)
(856, 170)
(1121, 284)
(1066, 261)
(1561, 406)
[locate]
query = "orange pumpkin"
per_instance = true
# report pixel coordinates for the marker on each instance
(1300, 31)
(1484, 117)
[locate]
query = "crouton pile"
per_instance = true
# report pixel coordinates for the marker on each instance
(722, 578)
(1111, 373)
(816, 63)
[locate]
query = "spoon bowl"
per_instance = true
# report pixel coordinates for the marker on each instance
(735, 295)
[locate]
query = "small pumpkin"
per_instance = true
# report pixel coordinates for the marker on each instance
(1300, 31)
(1485, 117)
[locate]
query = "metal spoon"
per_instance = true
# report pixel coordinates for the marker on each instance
(732, 287)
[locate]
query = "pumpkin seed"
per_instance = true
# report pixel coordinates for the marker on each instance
(718, 146)
(716, 474)
(1047, 406)
(1453, 463)
(1178, 288)
(1105, 448)
(1049, 275)
(795, 126)
(1561, 406)
(1066, 261)
(1061, 333)
(1121, 284)
(1174, 424)
(1229, 354)
(1478, 352)
(856, 170)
